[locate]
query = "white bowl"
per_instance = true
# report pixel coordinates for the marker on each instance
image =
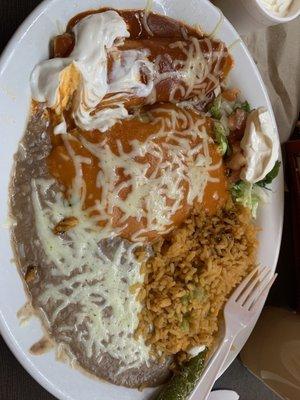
(29, 46)
(250, 15)
(266, 17)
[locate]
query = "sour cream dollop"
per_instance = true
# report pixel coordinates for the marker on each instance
(260, 146)
(85, 71)
(278, 7)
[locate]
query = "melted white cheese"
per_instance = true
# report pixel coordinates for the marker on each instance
(92, 280)
(260, 146)
(94, 36)
(88, 277)
(97, 35)
(155, 198)
(198, 72)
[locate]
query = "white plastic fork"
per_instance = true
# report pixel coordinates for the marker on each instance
(240, 311)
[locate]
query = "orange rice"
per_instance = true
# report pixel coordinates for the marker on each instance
(190, 275)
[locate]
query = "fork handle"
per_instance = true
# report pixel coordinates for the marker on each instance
(212, 370)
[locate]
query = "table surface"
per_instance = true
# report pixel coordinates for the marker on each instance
(17, 384)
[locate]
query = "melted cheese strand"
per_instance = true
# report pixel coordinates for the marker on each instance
(148, 8)
(195, 73)
(96, 283)
(151, 197)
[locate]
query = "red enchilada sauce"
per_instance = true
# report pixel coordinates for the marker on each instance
(165, 32)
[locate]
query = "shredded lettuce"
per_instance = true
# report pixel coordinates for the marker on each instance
(244, 106)
(242, 193)
(221, 107)
(221, 137)
(215, 109)
(268, 179)
(249, 195)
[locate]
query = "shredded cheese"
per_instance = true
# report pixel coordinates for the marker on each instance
(84, 74)
(180, 147)
(91, 280)
(197, 74)
(95, 282)
(146, 12)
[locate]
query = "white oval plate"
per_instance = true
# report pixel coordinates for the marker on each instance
(29, 46)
